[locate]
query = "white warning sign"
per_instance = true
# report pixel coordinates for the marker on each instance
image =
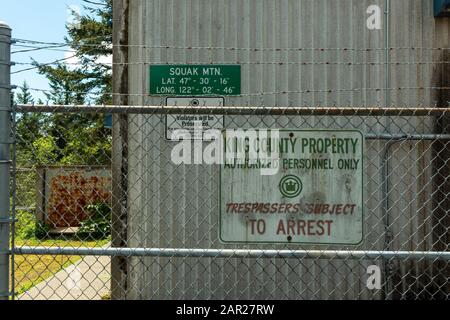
(187, 121)
(313, 196)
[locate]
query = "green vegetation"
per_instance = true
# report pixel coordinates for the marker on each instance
(106, 296)
(67, 139)
(27, 228)
(29, 270)
(98, 225)
(64, 139)
(61, 139)
(72, 139)
(91, 40)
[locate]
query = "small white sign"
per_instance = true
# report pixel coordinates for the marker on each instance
(187, 121)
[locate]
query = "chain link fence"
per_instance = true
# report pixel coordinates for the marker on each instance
(105, 212)
(96, 222)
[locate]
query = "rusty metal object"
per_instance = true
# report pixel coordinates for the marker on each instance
(70, 190)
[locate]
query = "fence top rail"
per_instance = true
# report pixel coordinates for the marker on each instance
(234, 253)
(239, 110)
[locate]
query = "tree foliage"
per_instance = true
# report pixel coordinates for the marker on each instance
(72, 139)
(91, 38)
(24, 96)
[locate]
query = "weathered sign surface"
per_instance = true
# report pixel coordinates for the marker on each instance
(195, 80)
(188, 121)
(315, 196)
(69, 190)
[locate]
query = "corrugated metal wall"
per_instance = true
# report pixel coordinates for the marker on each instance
(177, 206)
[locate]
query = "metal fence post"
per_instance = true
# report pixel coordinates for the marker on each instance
(5, 141)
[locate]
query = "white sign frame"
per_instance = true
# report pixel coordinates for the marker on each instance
(231, 232)
(170, 119)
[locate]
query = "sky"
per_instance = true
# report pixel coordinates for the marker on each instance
(41, 20)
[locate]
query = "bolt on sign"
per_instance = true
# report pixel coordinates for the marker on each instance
(187, 122)
(312, 195)
(195, 80)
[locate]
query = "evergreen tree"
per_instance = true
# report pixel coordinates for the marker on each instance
(66, 86)
(24, 96)
(91, 38)
(81, 138)
(29, 127)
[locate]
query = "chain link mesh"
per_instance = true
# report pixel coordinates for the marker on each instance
(74, 192)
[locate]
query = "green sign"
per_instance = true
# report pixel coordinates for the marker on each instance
(195, 80)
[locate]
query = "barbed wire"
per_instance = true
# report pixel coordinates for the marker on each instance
(262, 93)
(95, 3)
(257, 63)
(233, 48)
(32, 48)
(66, 63)
(65, 44)
(57, 61)
(44, 64)
(55, 45)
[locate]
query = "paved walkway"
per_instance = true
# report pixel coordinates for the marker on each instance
(87, 279)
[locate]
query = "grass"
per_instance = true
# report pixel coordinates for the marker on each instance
(29, 270)
(106, 296)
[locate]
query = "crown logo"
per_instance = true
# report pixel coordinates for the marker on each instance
(290, 186)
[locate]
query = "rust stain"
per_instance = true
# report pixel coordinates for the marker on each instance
(70, 194)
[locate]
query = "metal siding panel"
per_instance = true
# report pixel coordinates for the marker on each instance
(176, 206)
